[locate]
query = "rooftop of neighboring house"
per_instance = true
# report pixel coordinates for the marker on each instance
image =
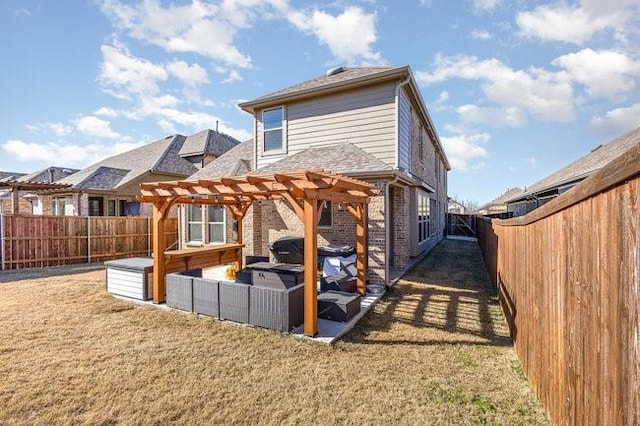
(207, 142)
(501, 201)
(47, 175)
(160, 157)
(582, 167)
(236, 161)
(10, 175)
(339, 79)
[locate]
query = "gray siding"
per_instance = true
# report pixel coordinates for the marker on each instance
(364, 117)
(404, 131)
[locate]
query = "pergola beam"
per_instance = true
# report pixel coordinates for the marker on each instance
(304, 191)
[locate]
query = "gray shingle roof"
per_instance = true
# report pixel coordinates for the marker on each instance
(236, 161)
(50, 174)
(10, 175)
(207, 142)
(158, 157)
(585, 166)
(103, 178)
(325, 82)
(502, 199)
(342, 159)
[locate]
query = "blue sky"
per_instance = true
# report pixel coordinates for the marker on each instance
(516, 89)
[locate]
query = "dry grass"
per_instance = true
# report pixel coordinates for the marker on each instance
(434, 351)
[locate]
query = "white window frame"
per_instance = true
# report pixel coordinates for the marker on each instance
(190, 222)
(282, 129)
(423, 216)
(223, 222)
(58, 203)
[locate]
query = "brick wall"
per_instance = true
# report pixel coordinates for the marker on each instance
(401, 227)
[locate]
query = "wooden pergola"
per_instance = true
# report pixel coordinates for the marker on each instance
(15, 186)
(304, 191)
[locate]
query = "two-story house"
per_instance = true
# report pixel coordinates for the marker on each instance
(368, 123)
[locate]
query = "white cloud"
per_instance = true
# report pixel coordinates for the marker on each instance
(510, 116)
(461, 149)
(531, 161)
(22, 12)
(605, 73)
(349, 35)
(124, 74)
(577, 23)
(106, 112)
(58, 129)
(534, 92)
(202, 28)
(94, 126)
(480, 35)
(191, 75)
(60, 154)
(617, 121)
(485, 4)
(233, 76)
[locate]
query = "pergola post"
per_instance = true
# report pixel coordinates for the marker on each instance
(359, 211)
(310, 267)
(238, 212)
(159, 246)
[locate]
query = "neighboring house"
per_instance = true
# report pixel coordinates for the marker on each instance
(566, 178)
(456, 207)
(498, 206)
(366, 123)
(29, 202)
(205, 146)
(110, 187)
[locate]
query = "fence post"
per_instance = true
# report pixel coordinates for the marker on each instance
(2, 238)
(88, 239)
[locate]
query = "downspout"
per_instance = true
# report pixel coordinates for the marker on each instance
(387, 202)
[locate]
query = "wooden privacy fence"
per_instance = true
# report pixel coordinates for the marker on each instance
(568, 276)
(39, 241)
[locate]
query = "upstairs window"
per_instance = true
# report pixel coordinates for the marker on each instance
(272, 130)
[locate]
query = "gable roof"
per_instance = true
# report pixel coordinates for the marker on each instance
(326, 83)
(113, 172)
(502, 199)
(49, 174)
(342, 159)
(584, 166)
(236, 161)
(347, 79)
(10, 175)
(207, 142)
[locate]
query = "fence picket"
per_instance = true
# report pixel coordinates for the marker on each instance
(40, 241)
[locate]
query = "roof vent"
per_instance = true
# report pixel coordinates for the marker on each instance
(596, 148)
(334, 71)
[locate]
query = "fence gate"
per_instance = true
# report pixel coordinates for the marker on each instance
(463, 225)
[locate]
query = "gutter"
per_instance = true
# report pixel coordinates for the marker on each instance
(387, 231)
